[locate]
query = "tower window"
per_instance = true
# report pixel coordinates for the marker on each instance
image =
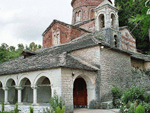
(115, 41)
(92, 14)
(113, 19)
(101, 21)
(78, 16)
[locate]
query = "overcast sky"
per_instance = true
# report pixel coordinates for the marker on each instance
(24, 21)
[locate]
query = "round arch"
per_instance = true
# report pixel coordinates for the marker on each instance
(90, 87)
(44, 88)
(12, 92)
(23, 77)
(27, 92)
(113, 20)
(101, 21)
(1, 92)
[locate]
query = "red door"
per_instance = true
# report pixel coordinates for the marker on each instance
(80, 93)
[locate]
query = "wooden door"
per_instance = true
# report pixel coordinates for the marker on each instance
(80, 93)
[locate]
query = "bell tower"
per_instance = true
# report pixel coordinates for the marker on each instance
(83, 10)
(106, 15)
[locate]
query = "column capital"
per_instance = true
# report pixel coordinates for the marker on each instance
(19, 88)
(34, 87)
(5, 88)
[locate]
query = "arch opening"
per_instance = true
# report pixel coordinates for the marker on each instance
(80, 93)
(101, 21)
(44, 88)
(92, 14)
(113, 20)
(1, 93)
(27, 92)
(78, 16)
(12, 92)
(115, 41)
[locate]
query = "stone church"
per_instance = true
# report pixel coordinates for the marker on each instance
(81, 62)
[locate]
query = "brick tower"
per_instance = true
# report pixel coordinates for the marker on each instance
(83, 10)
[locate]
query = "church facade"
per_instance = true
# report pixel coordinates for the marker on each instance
(81, 62)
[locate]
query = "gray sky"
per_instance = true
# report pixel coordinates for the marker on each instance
(24, 21)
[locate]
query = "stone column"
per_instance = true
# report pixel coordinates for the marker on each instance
(6, 95)
(35, 95)
(19, 94)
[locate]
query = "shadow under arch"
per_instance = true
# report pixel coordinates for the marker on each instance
(44, 88)
(12, 92)
(27, 92)
(1, 92)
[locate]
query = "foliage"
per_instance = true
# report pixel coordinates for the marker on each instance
(31, 109)
(10, 52)
(2, 106)
(133, 94)
(147, 97)
(16, 110)
(56, 105)
(94, 104)
(133, 14)
(59, 110)
(116, 94)
(140, 109)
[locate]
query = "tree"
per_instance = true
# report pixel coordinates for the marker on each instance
(133, 14)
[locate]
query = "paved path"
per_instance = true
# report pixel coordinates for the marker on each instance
(95, 111)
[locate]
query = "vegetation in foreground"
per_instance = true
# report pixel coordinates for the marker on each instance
(132, 100)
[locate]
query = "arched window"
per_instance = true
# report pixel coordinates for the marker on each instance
(92, 14)
(1, 93)
(113, 19)
(101, 21)
(115, 41)
(78, 16)
(56, 37)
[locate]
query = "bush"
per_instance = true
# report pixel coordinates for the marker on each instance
(31, 109)
(146, 107)
(16, 110)
(133, 94)
(147, 97)
(56, 105)
(140, 109)
(116, 94)
(94, 104)
(3, 107)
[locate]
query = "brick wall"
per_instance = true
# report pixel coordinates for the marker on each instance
(67, 33)
(85, 6)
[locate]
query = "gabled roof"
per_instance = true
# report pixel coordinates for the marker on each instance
(65, 24)
(59, 56)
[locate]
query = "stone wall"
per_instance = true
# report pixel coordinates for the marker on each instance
(147, 65)
(115, 71)
(90, 55)
(136, 63)
(140, 79)
(68, 82)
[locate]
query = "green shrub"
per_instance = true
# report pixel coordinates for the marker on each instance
(133, 94)
(116, 94)
(59, 110)
(140, 109)
(31, 109)
(16, 110)
(56, 105)
(3, 106)
(94, 104)
(146, 107)
(147, 97)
